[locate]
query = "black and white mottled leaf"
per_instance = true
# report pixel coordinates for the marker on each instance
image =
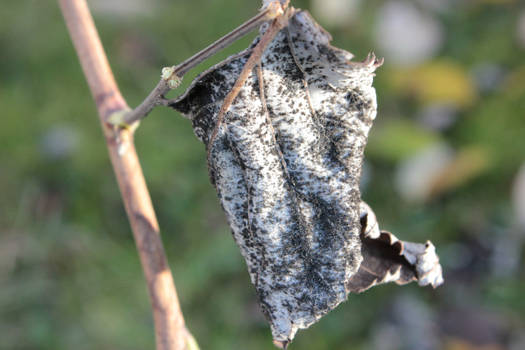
(286, 163)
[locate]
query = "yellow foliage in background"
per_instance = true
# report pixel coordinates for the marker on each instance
(436, 82)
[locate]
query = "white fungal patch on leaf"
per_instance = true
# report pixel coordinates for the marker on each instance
(286, 164)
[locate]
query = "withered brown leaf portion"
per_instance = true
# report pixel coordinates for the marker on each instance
(382, 262)
(286, 164)
(387, 259)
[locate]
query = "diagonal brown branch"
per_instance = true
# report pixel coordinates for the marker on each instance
(276, 25)
(156, 97)
(170, 330)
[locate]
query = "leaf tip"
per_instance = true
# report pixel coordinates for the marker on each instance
(281, 344)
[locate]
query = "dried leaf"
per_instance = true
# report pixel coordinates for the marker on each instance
(286, 164)
(387, 259)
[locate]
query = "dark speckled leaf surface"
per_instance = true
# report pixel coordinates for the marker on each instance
(286, 164)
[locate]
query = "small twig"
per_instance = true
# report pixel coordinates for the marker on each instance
(170, 331)
(270, 12)
(171, 76)
(255, 57)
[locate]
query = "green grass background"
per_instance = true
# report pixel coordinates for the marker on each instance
(69, 273)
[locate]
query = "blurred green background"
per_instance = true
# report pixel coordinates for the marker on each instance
(443, 163)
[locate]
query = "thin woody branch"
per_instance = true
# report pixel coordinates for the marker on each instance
(171, 76)
(255, 57)
(171, 333)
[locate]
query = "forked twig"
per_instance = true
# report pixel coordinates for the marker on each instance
(171, 333)
(255, 57)
(171, 76)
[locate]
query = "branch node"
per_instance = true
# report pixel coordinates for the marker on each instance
(169, 75)
(117, 121)
(167, 72)
(274, 9)
(122, 131)
(174, 82)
